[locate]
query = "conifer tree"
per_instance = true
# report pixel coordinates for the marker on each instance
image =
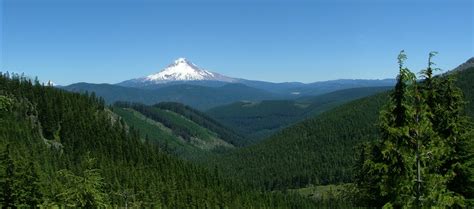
(7, 180)
(450, 123)
(27, 187)
(412, 165)
(85, 190)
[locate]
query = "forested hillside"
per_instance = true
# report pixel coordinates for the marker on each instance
(257, 120)
(61, 148)
(177, 128)
(203, 120)
(319, 150)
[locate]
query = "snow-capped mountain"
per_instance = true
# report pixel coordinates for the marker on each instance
(181, 70)
(184, 72)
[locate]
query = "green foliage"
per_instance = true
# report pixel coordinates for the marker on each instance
(155, 132)
(29, 191)
(418, 163)
(85, 190)
(150, 129)
(177, 129)
(52, 135)
(7, 183)
(314, 152)
(321, 150)
(180, 125)
(19, 182)
(257, 120)
(5, 103)
(203, 120)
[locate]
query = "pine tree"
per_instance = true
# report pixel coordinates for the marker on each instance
(85, 190)
(403, 126)
(27, 188)
(446, 105)
(5, 103)
(411, 166)
(7, 180)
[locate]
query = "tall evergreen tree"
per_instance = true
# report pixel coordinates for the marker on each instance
(447, 115)
(28, 192)
(410, 166)
(382, 167)
(7, 179)
(84, 190)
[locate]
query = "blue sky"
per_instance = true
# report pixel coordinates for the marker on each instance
(108, 41)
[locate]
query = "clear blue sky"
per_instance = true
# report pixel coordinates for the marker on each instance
(108, 41)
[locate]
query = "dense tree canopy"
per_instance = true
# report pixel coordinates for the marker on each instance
(61, 148)
(259, 120)
(424, 157)
(321, 150)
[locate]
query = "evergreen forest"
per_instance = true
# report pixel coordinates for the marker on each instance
(406, 146)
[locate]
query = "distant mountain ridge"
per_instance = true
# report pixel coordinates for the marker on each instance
(466, 65)
(183, 71)
(196, 96)
(185, 82)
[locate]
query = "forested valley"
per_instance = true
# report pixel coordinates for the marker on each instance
(67, 149)
(349, 146)
(409, 147)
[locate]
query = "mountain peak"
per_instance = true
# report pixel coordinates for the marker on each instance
(181, 60)
(180, 70)
(471, 60)
(468, 64)
(184, 70)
